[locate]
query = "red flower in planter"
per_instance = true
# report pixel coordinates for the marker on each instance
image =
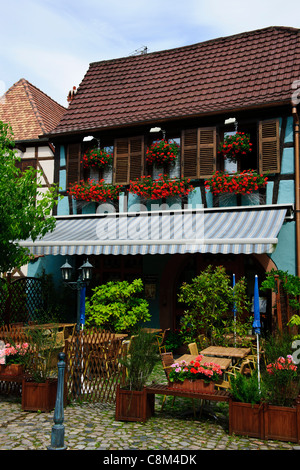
(97, 158)
(235, 146)
(163, 187)
(162, 152)
(97, 191)
(237, 183)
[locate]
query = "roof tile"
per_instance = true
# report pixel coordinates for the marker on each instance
(29, 111)
(248, 69)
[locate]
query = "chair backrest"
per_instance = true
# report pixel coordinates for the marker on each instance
(193, 349)
(164, 336)
(167, 360)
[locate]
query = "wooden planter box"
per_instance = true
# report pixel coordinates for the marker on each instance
(246, 419)
(194, 386)
(39, 396)
(132, 405)
(11, 370)
(282, 423)
(265, 421)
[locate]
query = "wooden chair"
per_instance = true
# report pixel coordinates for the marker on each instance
(161, 340)
(167, 360)
(193, 348)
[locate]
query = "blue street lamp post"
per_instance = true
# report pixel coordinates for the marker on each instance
(85, 275)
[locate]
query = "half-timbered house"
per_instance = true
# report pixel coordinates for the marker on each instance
(194, 95)
(31, 113)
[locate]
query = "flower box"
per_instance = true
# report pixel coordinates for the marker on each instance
(246, 419)
(197, 386)
(282, 423)
(97, 158)
(133, 405)
(245, 182)
(10, 370)
(265, 421)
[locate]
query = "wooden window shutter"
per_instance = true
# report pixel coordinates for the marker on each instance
(269, 147)
(129, 159)
(25, 163)
(189, 153)
(207, 151)
(73, 163)
(198, 152)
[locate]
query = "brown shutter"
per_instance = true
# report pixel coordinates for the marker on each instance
(129, 158)
(198, 152)
(136, 168)
(269, 147)
(73, 163)
(207, 151)
(24, 163)
(189, 153)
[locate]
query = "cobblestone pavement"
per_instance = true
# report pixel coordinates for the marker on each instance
(93, 427)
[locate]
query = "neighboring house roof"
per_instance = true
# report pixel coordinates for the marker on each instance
(250, 69)
(29, 111)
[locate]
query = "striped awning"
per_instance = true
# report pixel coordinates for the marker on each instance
(236, 230)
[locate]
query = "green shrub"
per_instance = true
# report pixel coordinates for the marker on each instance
(117, 306)
(245, 389)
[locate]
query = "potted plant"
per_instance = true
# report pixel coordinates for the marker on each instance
(97, 157)
(39, 386)
(148, 188)
(162, 152)
(236, 183)
(235, 146)
(282, 409)
(274, 412)
(246, 411)
(12, 358)
(132, 401)
(97, 191)
(195, 375)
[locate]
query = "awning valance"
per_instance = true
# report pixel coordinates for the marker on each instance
(236, 230)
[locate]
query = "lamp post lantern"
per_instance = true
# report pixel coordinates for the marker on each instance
(85, 275)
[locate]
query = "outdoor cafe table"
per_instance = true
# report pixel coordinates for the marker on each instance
(223, 362)
(233, 353)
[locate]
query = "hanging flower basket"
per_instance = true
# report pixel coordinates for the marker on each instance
(148, 188)
(97, 191)
(237, 183)
(97, 158)
(162, 153)
(235, 147)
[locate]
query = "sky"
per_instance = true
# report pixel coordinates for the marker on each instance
(51, 43)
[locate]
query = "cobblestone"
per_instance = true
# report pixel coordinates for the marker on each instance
(93, 427)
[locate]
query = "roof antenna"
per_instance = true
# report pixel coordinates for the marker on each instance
(142, 50)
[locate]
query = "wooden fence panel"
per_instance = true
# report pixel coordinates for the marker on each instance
(93, 366)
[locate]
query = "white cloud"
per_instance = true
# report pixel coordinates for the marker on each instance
(52, 42)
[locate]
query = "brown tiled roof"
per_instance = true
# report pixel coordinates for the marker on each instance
(29, 111)
(245, 70)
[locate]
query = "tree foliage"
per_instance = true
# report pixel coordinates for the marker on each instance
(117, 306)
(25, 211)
(210, 299)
